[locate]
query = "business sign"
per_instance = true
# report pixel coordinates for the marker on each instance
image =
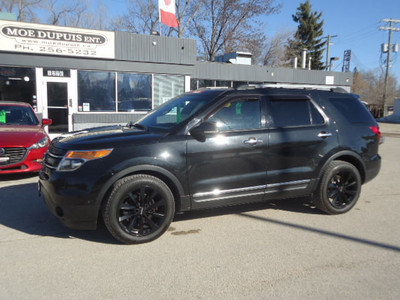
(55, 40)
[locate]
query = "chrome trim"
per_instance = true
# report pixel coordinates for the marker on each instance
(230, 197)
(224, 192)
(252, 191)
(253, 141)
(54, 156)
(50, 167)
(272, 185)
(324, 134)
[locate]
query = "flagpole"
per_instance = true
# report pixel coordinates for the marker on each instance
(159, 17)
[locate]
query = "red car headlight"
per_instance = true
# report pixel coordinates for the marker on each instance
(42, 143)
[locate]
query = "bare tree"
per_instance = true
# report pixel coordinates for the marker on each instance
(274, 55)
(370, 86)
(61, 13)
(24, 9)
(229, 23)
(142, 17)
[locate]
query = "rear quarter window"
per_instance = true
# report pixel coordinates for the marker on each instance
(352, 109)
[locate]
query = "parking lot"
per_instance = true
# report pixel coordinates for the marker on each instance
(275, 250)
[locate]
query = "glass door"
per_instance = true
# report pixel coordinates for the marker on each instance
(57, 106)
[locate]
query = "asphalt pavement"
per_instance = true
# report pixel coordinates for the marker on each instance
(276, 250)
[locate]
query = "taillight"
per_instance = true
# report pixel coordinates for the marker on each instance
(376, 130)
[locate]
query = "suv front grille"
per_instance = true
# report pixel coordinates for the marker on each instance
(53, 157)
(14, 155)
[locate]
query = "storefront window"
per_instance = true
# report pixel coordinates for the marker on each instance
(206, 83)
(96, 91)
(193, 84)
(134, 92)
(167, 87)
(237, 84)
(220, 83)
(18, 84)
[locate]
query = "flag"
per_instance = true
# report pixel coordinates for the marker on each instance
(167, 13)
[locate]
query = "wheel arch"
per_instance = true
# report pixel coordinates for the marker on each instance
(182, 202)
(350, 157)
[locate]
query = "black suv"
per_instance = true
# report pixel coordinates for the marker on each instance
(208, 148)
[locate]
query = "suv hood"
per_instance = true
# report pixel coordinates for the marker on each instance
(102, 136)
(20, 135)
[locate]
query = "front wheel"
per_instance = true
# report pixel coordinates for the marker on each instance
(139, 209)
(339, 188)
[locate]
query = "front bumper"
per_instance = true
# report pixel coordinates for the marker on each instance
(73, 211)
(31, 163)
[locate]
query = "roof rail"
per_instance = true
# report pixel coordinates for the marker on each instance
(290, 86)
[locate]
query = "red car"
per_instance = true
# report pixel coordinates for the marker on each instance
(23, 140)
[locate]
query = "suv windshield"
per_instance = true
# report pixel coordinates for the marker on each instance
(17, 115)
(178, 110)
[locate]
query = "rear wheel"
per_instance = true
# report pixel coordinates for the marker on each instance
(139, 209)
(339, 188)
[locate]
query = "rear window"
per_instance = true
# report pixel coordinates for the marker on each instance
(352, 109)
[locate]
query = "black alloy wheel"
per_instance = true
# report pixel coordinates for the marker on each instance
(139, 209)
(339, 188)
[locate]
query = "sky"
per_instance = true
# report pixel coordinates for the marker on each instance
(355, 22)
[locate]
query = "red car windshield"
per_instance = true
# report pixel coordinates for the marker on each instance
(17, 115)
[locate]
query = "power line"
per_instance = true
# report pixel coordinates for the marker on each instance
(359, 34)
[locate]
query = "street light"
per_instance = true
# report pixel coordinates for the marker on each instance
(330, 61)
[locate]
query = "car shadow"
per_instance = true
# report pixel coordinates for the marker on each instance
(14, 177)
(297, 205)
(22, 209)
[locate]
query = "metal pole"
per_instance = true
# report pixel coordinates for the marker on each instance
(387, 74)
(389, 58)
(304, 58)
(328, 50)
(328, 54)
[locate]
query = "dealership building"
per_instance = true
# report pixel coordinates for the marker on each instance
(84, 78)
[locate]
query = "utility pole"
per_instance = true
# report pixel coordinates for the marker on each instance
(390, 28)
(328, 50)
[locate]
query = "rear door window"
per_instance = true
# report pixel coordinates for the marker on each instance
(288, 112)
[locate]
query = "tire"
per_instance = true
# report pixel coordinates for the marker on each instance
(139, 209)
(339, 188)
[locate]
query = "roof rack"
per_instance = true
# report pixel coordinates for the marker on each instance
(290, 86)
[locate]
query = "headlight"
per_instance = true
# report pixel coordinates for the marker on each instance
(75, 159)
(42, 143)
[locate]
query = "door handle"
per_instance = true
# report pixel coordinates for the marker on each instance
(253, 141)
(324, 134)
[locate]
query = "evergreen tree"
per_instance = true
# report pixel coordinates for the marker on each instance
(307, 36)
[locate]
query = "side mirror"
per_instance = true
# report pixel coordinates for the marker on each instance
(198, 132)
(47, 122)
